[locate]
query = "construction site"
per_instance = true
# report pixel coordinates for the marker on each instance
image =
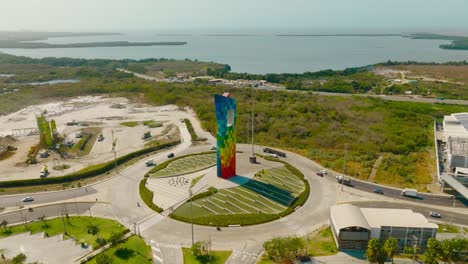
(59, 138)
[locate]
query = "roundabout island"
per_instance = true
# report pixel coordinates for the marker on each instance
(188, 189)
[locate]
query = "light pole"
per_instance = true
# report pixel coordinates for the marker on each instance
(344, 168)
(191, 215)
(253, 159)
(415, 246)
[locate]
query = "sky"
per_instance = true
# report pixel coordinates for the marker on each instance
(224, 15)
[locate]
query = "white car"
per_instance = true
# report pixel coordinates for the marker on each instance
(325, 172)
(150, 163)
(435, 214)
(28, 199)
(213, 148)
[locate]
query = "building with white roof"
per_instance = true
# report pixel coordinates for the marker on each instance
(352, 226)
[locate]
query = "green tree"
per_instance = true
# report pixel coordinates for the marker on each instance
(116, 237)
(103, 258)
(460, 245)
(431, 254)
(374, 249)
(446, 250)
(391, 247)
(282, 249)
(19, 259)
(93, 230)
(197, 248)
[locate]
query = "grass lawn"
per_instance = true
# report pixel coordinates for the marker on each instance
(197, 179)
(269, 194)
(133, 250)
(444, 228)
(219, 257)
(130, 123)
(187, 165)
(76, 226)
(321, 243)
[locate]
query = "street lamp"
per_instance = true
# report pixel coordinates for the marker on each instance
(344, 168)
(253, 158)
(415, 246)
(191, 215)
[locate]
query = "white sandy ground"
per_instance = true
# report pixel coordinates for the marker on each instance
(91, 109)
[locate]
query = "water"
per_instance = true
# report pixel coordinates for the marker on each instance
(262, 53)
(54, 82)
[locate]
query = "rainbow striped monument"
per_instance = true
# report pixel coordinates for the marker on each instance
(226, 137)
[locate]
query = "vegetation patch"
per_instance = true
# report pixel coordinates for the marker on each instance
(321, 243)
(213, 257)
(445, 228)
(192, 132)
(132, 250)
(78, 227)
(130, 123)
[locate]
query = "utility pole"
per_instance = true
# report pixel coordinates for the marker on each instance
(191, 216)
(344, 168)
(253, 159)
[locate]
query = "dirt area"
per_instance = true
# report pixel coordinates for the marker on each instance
(434, 73)
(99, 114)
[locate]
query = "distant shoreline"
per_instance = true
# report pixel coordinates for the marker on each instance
(42, 45)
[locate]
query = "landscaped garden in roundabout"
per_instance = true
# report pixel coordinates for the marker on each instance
(273, 192)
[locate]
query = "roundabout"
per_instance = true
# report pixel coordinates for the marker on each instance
(261, 192)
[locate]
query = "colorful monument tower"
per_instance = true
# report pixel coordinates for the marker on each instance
(226, 136)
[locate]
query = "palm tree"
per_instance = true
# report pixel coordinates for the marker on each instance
(391, 247)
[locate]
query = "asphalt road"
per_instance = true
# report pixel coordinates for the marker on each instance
(45, 197)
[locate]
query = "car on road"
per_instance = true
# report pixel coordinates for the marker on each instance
(435, 214)
(150, 163)
(27, 199)
(324, 172)
(320, 174)
(213, 148)
(273, 155)
(171, 155)
(379, 191)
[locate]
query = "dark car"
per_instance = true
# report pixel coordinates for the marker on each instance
(320, 174)
(379, 191)
(171, 155)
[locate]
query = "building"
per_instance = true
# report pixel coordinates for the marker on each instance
(352, 226)
(226, 117)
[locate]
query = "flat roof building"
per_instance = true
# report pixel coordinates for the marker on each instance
(352, 226)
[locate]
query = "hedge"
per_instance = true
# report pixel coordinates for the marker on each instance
(209, 192)
(191, 130)
(147, 196)
(167, 162)
(88, 172)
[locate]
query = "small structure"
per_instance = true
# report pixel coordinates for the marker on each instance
(352, 226)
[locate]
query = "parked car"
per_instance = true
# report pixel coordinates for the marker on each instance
(379, 191)
(435, 214)
(171, 155)
(319, 174)
(28, 199)
(213, 148)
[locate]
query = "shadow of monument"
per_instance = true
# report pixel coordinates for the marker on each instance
(270, 191)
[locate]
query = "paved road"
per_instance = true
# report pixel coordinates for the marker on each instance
(46, 197)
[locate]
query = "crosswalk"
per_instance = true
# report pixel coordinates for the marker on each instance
(157, 254)
(159, 247)
(242, 257)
